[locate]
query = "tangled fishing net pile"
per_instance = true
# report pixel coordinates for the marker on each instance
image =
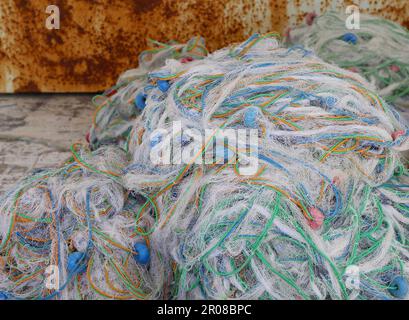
(378, 50)
(330, 193)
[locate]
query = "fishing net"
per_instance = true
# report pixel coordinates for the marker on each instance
(163, 202)
(378, 50)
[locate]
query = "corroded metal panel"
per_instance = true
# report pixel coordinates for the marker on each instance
(99, 39)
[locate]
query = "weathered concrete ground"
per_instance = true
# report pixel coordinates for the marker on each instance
(37, 130)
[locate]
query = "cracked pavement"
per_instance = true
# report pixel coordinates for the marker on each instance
(36, 131)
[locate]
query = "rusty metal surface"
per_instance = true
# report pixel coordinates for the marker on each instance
(99, 39)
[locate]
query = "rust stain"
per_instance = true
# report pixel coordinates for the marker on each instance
(99, 39)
